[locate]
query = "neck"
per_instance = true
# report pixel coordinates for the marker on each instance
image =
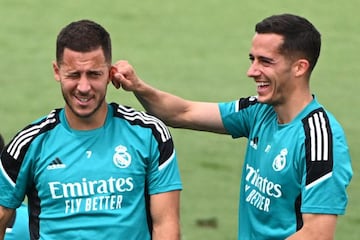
(288, 111)
(93, 121)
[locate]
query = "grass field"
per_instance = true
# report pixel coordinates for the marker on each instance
(196, 49)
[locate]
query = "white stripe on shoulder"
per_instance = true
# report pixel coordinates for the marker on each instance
(319, 137)
(131, 114)
(25, 136)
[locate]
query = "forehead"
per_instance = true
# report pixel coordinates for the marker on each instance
(73, 60)
(266, 44)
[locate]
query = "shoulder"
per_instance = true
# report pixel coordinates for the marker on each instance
(324, 136)
(316, 116)
(247, 102)
(319, 120)
(142, 119)
(239, 104)
(246, 109)
(21, 141)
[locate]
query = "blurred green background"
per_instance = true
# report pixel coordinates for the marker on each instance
(198, 50)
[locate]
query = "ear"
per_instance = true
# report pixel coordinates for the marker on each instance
(301, 67)
(112, 71)
(56, 70)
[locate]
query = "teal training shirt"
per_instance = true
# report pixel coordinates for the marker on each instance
(90, 184)
(289, 169)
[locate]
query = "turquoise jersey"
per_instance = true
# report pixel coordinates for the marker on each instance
(19, 226)
(90, 184)
(289, 169)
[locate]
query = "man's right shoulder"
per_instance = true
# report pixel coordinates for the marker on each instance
(21, 141)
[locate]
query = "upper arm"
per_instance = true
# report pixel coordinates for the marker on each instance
(165, 214)
(5, 216)
(316, 226)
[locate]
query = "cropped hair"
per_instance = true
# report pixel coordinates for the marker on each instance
(83, 36)
(300, 36)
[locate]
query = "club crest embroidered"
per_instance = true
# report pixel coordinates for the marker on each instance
(121, 158)
(280, 160)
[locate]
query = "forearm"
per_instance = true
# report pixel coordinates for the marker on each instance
(165, 213)
(173, 110)
(311, 235)
(169, 108)
(168, 231)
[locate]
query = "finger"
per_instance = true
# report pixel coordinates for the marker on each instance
(116, 84)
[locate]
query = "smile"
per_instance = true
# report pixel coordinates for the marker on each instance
(262, 84)
(83, 99)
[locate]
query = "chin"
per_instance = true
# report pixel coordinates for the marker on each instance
(82, 113)
(262, 99)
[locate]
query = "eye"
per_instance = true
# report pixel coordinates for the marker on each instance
(74, 75)
(251, 58)
(266, 61)
(94, 74)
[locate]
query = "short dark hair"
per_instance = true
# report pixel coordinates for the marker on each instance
(301, 38)
(83, 36)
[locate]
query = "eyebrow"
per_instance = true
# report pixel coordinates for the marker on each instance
(87, 71)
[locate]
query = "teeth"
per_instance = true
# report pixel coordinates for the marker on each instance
(261, 84)
(83, 99)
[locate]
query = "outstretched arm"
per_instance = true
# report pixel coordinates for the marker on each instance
(173, 110)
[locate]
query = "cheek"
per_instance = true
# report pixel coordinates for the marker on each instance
(282, 77)
(67, 86)
(101, 86)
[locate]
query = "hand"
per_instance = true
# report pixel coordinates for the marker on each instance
(123, 75)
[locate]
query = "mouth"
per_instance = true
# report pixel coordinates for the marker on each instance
(262, 87)
(83, 100)
(262, 84)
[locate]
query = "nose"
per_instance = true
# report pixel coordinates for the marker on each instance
(83, 84)
(253, 70)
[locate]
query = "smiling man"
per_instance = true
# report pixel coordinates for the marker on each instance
(91, 170)
(297, 164)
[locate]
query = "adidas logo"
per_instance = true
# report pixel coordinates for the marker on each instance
(55, 164)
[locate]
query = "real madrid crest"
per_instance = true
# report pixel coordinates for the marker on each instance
(280, 160)
(121, 158)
